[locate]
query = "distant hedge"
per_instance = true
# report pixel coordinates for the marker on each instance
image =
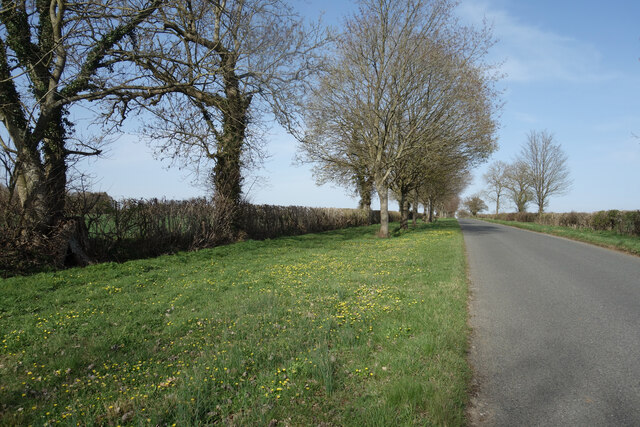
(131, 229)
(269, 221)
(143, 228)
(622, 222)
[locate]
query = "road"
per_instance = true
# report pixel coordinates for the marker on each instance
(556, 330)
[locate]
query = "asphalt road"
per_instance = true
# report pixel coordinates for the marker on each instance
(556, 330)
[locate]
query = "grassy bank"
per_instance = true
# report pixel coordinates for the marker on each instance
(608, 239)
(338, 328)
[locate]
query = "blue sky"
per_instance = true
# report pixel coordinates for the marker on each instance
(572, 68)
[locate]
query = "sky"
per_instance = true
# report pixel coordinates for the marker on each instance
(571, 68)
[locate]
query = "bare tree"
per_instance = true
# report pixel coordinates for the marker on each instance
(442, 181)
(517, 185)
(206, 68)
(234, 61)
(495, 177)
(547, 167)
(54, 55)
(341, 165)
(474, 204)
(406, 76)
(450, 206)
(405, 178)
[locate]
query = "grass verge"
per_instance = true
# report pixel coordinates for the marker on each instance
(607, 239)
(339, 328)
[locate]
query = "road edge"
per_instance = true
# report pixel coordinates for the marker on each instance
(476, 413)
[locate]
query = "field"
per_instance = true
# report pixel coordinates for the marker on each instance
(605, 238)
(339, 328)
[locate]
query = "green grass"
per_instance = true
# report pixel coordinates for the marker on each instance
(608, 239)
(339, 328)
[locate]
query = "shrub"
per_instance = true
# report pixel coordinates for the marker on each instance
(570, 220)
(526, 216)
(268, 221)
(614, 218)
(22, 250)
(138, 228)
(599, 221)
(131, 229)
(630, 223)
(607, 220)
(547, 219)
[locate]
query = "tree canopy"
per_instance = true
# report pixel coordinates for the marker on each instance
(407, 86)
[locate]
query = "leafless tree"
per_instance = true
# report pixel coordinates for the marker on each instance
(234, 61)
(495, 177)
(546, 166)
(54, 55)
(205, 68)
(405, 76)
(451, 205)
(517, 185)
(342, 165)
(405, 178)
(442, 181)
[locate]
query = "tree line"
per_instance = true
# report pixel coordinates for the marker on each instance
(407, 104)
(539, 172)
(400, 100)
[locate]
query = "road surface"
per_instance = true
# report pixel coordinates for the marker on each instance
(556, 330)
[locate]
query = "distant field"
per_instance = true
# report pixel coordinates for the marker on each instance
(605, 238)
(339, 328)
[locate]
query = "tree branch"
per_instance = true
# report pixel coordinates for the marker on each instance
(96, 55)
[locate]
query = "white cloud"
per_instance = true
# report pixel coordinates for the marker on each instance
(532, 54)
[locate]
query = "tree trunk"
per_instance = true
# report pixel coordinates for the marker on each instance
(431, 209)
(383, 195)
(41, 187)
(71, 241)
(227, 179)
(540, 203)
(365, 188)
(31, 191)
(41, 182)
(415, 209)
(55, 168)
(521, 201)
(227, 176)
(404, 211)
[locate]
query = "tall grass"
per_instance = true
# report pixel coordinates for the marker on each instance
(337, 328)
